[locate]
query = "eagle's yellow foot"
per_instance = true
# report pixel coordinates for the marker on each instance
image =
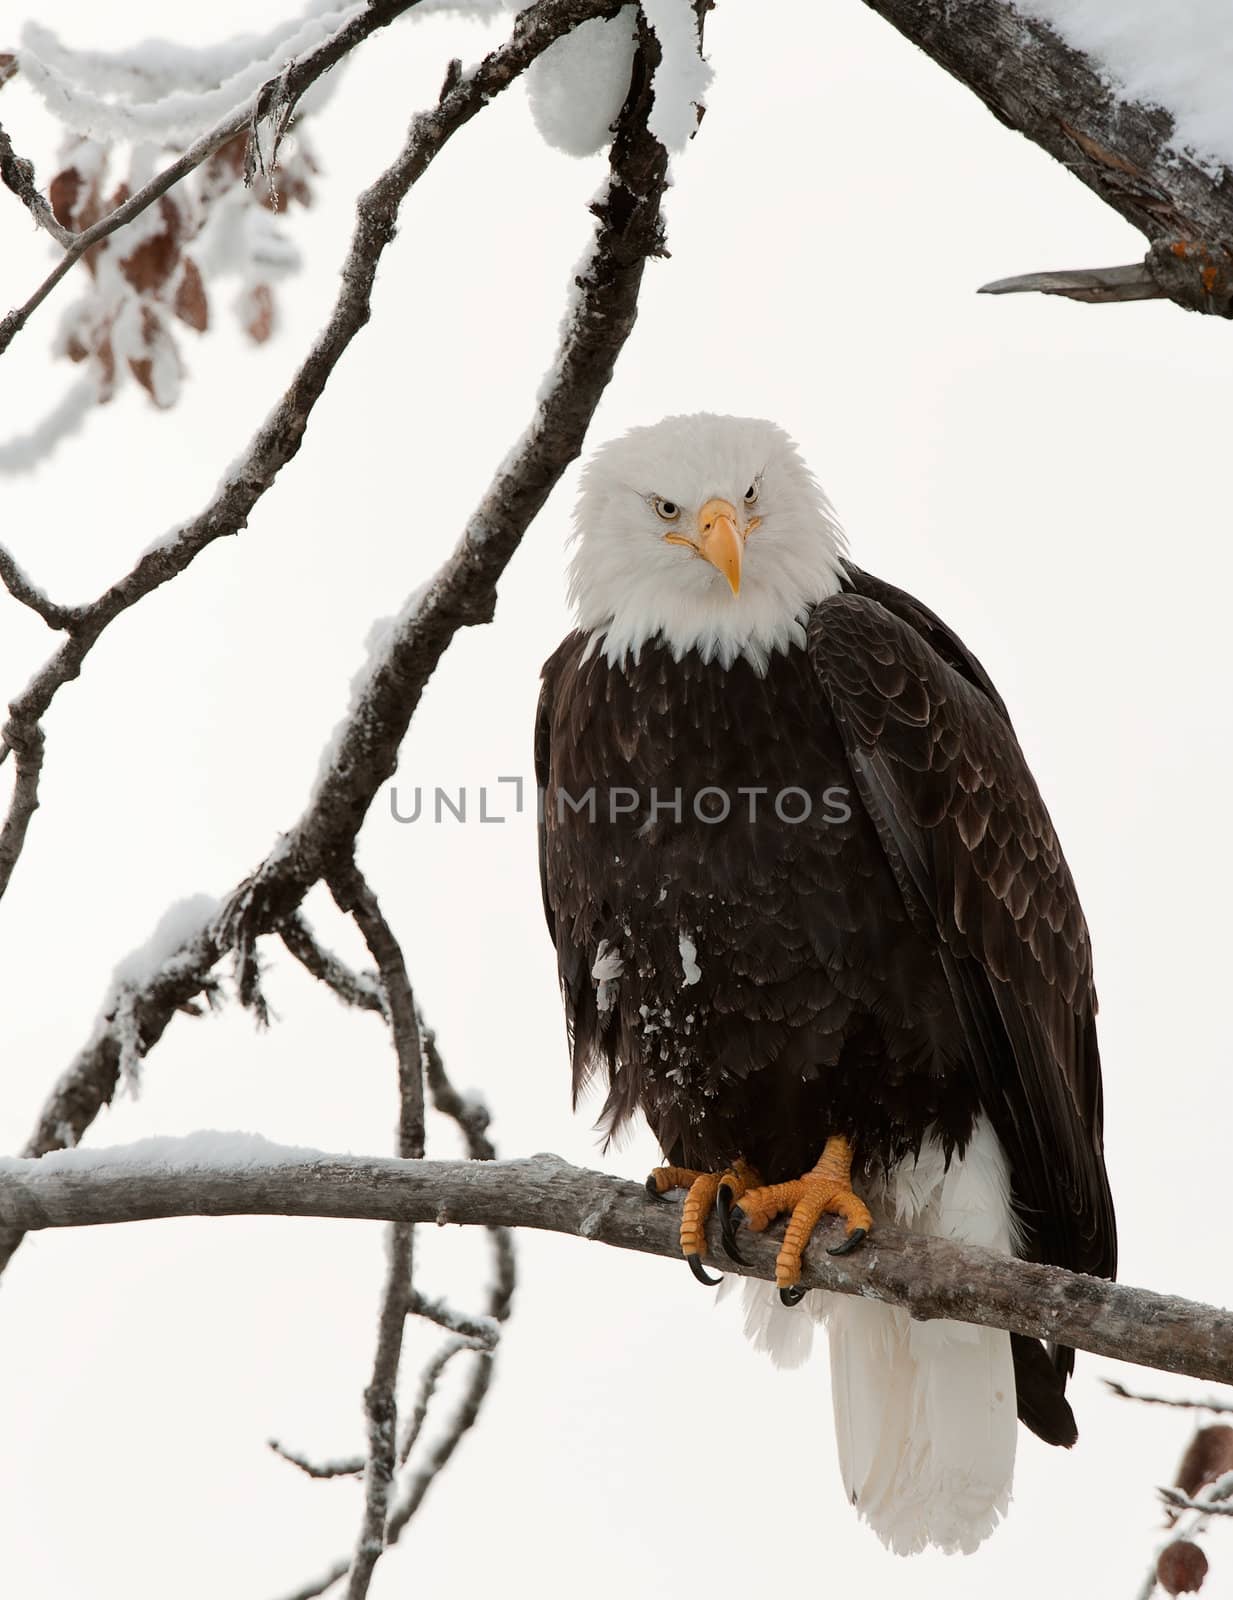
(827, 1189)
(705, 1188)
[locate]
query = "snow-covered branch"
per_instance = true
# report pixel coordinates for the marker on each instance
(276, 97)
(464, 591)
(604, 298)
(1126, 150)
(930, 1277)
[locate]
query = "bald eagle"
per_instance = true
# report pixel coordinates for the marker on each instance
(813, 921)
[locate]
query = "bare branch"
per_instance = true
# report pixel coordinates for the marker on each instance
(464, 589)
(341, 1467)
(1203, 1403)
(1211, 1505)
(429, 1379)
(930, 1277)
(356, 898)
(1095, 286)
(317, 1586)
(381, 1410)
(463, 1419)
(359, 989)
(471, 1115)
(1123, 150)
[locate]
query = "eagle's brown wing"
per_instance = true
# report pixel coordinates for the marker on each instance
(937, 766)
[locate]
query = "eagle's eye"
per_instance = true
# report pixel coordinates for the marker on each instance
(666, 510)
(751, 494)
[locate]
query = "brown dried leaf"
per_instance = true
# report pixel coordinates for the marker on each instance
(159, 343)
(190, 302)
(63, 193)
(1181, 1567)
(154, 260)
(257, 312)
(1209, 1455)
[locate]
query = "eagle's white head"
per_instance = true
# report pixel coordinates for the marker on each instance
(707, 532)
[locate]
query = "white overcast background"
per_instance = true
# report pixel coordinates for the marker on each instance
(1052, 478)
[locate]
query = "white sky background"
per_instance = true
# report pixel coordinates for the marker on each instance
(1052, 478)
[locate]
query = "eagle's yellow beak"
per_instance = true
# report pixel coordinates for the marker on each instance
(719, 541)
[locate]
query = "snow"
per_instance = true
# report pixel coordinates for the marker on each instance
(75, 85)
(579, 84)
(689, 954)
(153, 67)
(682, 77)
(208, 1150)
(179, 925)
(1178, 55)
(606, 972)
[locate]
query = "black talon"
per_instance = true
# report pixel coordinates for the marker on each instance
(845, 1246)
(792, 1296)
(700, 1272)
(728, 1223)
(652, 1188)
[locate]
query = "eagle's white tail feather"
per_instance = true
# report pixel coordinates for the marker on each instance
(925, 1413)
(770, 1326)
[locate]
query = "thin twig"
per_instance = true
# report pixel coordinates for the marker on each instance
(318, 1586)
(293, 81)
(930, 1277)
(1202, 1404)
(359, 989)
(341, 1467)
(29, 594)
(482, 1330)
(356, 898)
(429, 1379)
(1183, 1502)
(463, 1419)
(464, 589)
(471, 1115)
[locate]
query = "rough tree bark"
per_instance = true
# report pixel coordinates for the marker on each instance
(930, 1277)
(1060, 99)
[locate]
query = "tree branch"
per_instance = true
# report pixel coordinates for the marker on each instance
(342, 1467)
(463, 591)
(1122, 150)
(467, 584)
(18, 175)
(930, 1277)
(1202, 1403)
(358, 989)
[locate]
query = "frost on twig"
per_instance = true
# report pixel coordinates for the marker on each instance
(339, 1467)
(359, 989)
